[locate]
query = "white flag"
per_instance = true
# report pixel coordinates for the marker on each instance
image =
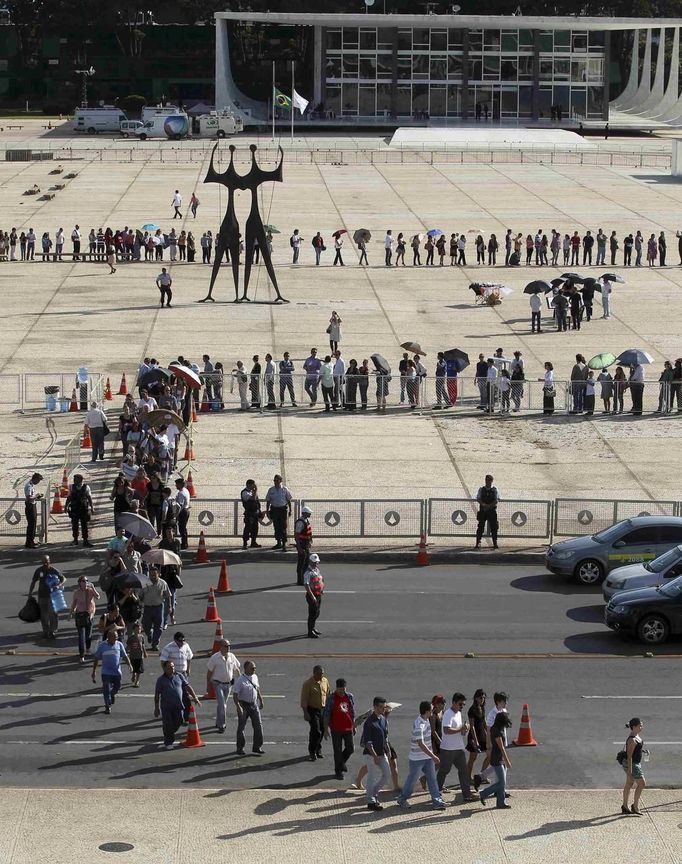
(299, 102)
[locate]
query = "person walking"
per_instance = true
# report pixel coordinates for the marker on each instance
(338, 245)
(177, 204)
(401, 245)
(179, 652)
(31, 498)
(319, 247)
(334, 331)
(80, 508)
(488, 498)
(137, 650)
(477, 740)
(314, 696)
(82, 610)
(110, 652)
(295, 242)
(499, 761)
(278, 509)
(453, 747)
(303, 540)
(339, 717)
(222, 670)
(249, 703)
(96, 421)
(314, 589)
(388, 248)
(194, 205)
(422, 760)
(154, 597)
(163, 283)
(171, 693)
(47, 578)
(374, 741)
(286, 381)
(182, 498)
(631, 760)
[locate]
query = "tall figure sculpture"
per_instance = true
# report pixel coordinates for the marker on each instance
(228, 235)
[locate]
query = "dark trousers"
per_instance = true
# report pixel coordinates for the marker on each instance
(84, 637)
(286, 384)
(489, 517)
(76, 250)
(31, 522)
(316, 730)
(302, 551)
(458, 758)
(536, 321)
(80, 519)
(166, 294)
(279, 523)
(250, 711)
(183, 519)
(342, 742)
(311, 389)
(171, 721)
(250, 528)
(388, 254)
(97, 438)
(152, 617)
(314, 604)
(637, 392)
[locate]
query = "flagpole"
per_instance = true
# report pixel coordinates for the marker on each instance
(292, 101)
(273, 101)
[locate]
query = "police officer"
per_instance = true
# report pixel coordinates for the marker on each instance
(488, 498)
(163, 283)
(303, 538)
(80, 508)
(31, 498)
(314, 589)
(252, 514)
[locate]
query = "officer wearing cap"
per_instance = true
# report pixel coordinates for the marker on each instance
(314, 589)
(31, 498)
(303, 538)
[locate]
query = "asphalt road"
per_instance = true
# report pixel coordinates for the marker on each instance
(401, 632)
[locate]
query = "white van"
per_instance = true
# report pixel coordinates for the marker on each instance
(94, 120)
(129, 127)
(155, 127)
(149, 112)
(220, 124)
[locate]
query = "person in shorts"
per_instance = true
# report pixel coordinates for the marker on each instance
(137, 652)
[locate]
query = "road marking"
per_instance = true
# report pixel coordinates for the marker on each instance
(295, 621)
(659, 743)
(631, 697)
(98, 741)
(291, 591)
(97, 694)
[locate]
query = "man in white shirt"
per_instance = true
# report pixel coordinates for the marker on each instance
(31, 498)
(76, 240)
(295, 243)
(146, 403)
(491, 378)
(606, 298)
(179, 652)
(453, 746)
(222, 671)
(249, 702)
(182, 498)
(177, 204)
(535, 313)
(388, 247)
(163, 283)
(278, 507)
(422, 759)
(339, 374)
(461, 249)
(96, 421)
(58, 244)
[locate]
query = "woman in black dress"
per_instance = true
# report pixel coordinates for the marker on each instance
(477, 738)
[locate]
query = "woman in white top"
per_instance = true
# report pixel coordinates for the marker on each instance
(334, 331)
(548, 389)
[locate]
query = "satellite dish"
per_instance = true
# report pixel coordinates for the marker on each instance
(456, 9)
(369, 2)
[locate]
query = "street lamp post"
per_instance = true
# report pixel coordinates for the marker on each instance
(85, 74)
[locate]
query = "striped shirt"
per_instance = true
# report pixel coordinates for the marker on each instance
(421, 733)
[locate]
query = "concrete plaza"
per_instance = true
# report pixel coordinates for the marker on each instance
(60, 316)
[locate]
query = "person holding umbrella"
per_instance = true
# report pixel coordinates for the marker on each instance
(362, 246)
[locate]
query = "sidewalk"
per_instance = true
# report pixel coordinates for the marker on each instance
(57, 825)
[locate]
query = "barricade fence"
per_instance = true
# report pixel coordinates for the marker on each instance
(51, 391)
(406, 519)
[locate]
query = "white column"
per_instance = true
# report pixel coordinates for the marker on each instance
(656, 94)
(645, 81)
(623, 100)
(671, 96)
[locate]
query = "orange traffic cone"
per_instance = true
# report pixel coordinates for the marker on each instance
(205, 404)
(74, 402)
(193, 738)
(224, 580)
(195, 416)
(123, 389)
(189, 485)
(107, 392)
(57, 503)
(218, 636)
(202, 554)
(525, 738)
(422, 554)
(87, 440)
(210, 691)
(189, 451)
(64, 491)
(211, 608)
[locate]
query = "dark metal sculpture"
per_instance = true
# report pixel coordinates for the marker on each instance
(228, 236)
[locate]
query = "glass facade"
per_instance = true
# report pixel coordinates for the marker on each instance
(443, 72)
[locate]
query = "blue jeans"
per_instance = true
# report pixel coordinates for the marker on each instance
(152, 618)
(111, 684)
(378, 776)
(222, 694)
(499, 786)
(417, 767)
(84, 637)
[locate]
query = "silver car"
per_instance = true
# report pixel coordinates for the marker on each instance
(657, 572)
(632, 541)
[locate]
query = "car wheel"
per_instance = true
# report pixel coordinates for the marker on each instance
(590, 572)
(92, 130)
(125, 134)
(653, 630)
(143, 136)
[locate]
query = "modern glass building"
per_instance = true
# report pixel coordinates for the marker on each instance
(457, 67)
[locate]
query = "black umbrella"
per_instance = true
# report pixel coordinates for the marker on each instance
(460, 357)
(128, 578)
(537, 286)
(380, 364)
(574, 277)
(154, 376)
(612, 277)
(556, 282)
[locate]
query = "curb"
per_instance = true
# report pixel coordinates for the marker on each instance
(401, 557)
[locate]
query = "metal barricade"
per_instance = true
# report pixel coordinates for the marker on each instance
(10, 390)
(456, 517)
(221, 517)
(367, 518)
(576, 516)
(13, 518)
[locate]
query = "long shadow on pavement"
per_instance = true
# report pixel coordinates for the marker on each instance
(552, 585)
(601, 642)
(567, 825)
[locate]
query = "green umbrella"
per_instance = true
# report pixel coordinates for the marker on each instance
(601, 361)
(272, 229)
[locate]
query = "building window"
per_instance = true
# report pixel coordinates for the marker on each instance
(405, 68)
(420, 65)
(525, 67)
(350, 65)
(454, 100)
(368, 68)
(562, 70)
(546, 69)
(439, 40)
(368, 40)
(404, 100)
(579, 70)
(491, 40)
(579, 42)
(510, 40)
(384, 65)
(475, 41)
(333, 98)
(475, 70)
(595, 69)
(439, 68)
(385, 39)
(562, 40)
(404, 40)
(455, 39)
(333, 67)
(525, 39)
(383, 98)
(420, 97)
(509, 69)
(350, 38)
(491, 68)
(455, 62)
(420, 38)
(437, 102)
(367, 103)
(333, 40)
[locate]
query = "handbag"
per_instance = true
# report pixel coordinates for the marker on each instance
(550, 392)
(30, 611)
(82, 619)
(329, 329)
(105, 429)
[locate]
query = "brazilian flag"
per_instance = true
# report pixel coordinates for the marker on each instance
(281, 99)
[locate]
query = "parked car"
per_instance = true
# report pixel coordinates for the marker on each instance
(632, 541)
(657, 572)
(651, 614)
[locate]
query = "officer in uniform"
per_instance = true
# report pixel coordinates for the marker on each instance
(314, 589)
(303, 537)
(488, 498)
(252, 514)
(80, 508)
(31, 498)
